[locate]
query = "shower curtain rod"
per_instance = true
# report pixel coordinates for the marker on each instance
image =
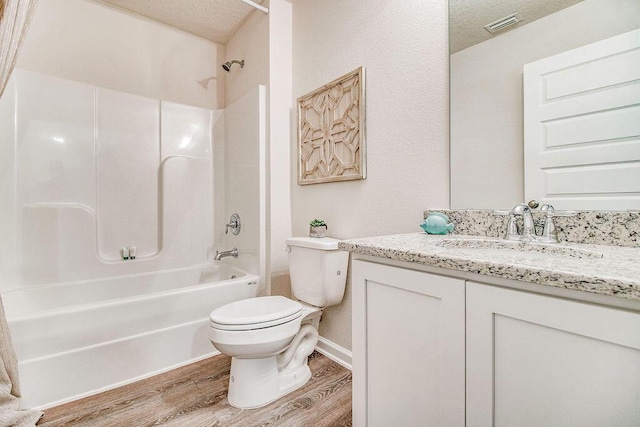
(257, 6)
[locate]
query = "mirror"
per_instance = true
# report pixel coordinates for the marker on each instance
(486, 77)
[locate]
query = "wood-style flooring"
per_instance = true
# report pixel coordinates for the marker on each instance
(196, 396)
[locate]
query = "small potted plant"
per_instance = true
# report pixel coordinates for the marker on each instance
(317, 228)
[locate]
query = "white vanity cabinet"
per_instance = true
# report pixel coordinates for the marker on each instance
(432, 350)
(536, 360)
(408, 347)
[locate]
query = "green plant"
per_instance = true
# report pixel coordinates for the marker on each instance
(317, 223)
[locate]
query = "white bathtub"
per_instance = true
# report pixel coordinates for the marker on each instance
(76, 339)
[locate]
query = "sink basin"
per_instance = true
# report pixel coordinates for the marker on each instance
(498, 247)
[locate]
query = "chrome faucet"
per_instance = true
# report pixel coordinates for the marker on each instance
(528, 234)
(528, 229)
(221, 254)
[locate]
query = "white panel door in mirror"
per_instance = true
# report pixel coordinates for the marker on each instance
(582, 126)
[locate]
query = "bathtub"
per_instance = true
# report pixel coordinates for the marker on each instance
(77, 339)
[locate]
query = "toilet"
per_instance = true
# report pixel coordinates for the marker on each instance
(269, 338)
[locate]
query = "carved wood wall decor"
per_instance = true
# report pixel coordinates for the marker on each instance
(331, 141)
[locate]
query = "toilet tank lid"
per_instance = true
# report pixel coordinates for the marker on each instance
(323, 243)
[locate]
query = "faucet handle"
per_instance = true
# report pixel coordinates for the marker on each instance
(234, 225)
(551, 212)
(512, 227)
(550, 232)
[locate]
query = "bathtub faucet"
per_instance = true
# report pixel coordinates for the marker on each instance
(233, 252)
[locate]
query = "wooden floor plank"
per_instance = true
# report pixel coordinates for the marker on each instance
(196, 396)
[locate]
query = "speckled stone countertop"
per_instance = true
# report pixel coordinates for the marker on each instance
(599, 269)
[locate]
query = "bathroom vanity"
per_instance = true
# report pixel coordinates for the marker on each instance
(467, 330)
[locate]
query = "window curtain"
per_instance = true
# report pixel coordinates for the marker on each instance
(14, 20)
(15, 16)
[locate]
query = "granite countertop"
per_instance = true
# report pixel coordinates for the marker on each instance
(599, 269)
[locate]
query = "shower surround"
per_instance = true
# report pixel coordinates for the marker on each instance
(86, 171)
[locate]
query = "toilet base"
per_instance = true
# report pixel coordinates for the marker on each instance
(291, 382)
(254, 383)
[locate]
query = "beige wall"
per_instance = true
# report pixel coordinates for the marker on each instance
(487, 157)
(251, 43)
(403, 46)
(88, 42)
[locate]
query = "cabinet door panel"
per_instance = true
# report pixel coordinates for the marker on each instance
(408, 356)
(534, 360)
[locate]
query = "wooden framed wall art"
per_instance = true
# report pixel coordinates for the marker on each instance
(331, 131)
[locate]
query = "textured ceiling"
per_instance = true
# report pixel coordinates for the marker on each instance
(467, 18)
(215, 20)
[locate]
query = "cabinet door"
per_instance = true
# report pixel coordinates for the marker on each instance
(408, 347)
(535, 360)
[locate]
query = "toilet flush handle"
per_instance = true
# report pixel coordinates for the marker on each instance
(286, 249)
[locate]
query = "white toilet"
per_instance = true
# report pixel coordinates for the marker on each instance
(269, 338)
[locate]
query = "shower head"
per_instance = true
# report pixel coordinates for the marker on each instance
(227, 65)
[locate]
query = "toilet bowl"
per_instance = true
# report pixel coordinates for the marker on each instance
(256, 327)
(262, 367)
(270, 338)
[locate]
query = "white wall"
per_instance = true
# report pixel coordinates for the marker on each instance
(403, 46)
(487, 160)
(91, 43)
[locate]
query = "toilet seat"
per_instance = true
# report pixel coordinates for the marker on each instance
(255, 313)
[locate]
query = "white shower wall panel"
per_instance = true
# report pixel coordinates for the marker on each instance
(186, 131)
(187, 183)
(55, 140)
(187, 211)
(88, 170)
(244, 178)
(127, 180)
(58, 244)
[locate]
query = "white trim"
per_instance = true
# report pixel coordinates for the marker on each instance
(334, 352)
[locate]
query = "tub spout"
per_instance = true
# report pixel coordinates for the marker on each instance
(233, 252)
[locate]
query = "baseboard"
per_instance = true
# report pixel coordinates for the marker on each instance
(334, 352)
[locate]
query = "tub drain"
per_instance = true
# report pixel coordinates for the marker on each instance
(233, 276)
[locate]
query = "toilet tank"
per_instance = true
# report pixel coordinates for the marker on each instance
(318, 270)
